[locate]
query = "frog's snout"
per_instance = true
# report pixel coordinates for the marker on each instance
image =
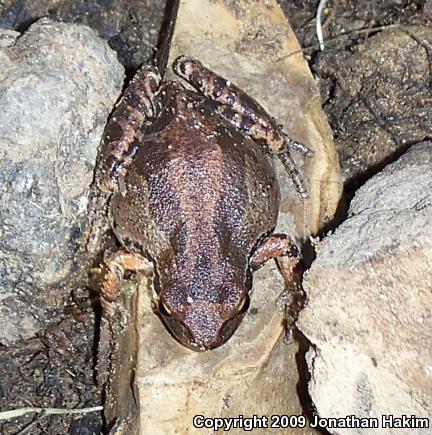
(209, 325)
(204, 322)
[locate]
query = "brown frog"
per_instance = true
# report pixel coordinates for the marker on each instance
(194, 190)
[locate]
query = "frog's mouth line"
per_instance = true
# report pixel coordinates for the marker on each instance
(182, 334)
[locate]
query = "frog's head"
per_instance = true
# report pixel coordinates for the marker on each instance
(204, 321)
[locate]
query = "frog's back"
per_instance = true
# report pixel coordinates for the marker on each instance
(196, 182)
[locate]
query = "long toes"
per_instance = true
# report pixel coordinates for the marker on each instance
(293, 172)
(297, 146)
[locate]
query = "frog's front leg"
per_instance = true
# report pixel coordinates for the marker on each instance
(111, 273)
(285, 252)
(123, 132)
(108, 277)
(244, 113)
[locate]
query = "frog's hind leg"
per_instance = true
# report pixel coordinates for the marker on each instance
(244, 113)
(285, 252)
(122, 134)
(120, 142)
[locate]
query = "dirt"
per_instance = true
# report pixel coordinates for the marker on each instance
(55, 369)
(374, 77)
(375, 89)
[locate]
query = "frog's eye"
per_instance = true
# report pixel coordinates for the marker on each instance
(229, 327)
(244, 305)
(164, 309)
(179, 331)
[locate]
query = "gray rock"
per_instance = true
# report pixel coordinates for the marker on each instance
(58, 83)
(369, 315)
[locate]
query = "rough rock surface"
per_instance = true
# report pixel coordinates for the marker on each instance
(131, 28)
(369, 315)
(58, 83)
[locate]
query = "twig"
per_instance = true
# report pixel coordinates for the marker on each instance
(345, 34)
(319, 32)
(5, 415)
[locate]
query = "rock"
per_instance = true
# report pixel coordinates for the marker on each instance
(131, 31)
(58, 83)
(370, 301)
(255, 372)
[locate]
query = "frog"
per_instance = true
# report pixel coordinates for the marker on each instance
(192, 188)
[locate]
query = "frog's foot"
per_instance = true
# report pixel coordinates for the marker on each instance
(293, 298)
(111, 273)
(244, 113)
(122, 134)
(290, 302)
